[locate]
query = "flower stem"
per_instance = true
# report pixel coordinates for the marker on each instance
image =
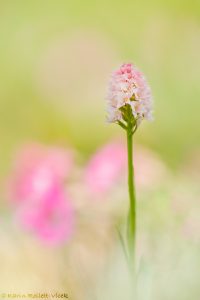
(132, 198)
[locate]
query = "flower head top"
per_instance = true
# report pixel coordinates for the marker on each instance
(129, 95)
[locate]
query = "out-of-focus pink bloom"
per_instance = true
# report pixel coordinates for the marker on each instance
(38, 168)
(105, 167)
(129, 86)
(110, 163)
(51, 219)
(38, 190)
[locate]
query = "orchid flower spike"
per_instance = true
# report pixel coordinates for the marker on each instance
(129, 97)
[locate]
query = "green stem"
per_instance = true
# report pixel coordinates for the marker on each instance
(132, 198)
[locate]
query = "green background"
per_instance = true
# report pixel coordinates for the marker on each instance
(161, 37)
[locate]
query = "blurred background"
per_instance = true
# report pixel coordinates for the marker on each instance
(56, 58)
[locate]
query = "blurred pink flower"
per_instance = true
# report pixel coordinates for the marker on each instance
(51, 219)
(128, 86)
(38, 191)
(38, 168)
(105, 167)
(109, 163)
